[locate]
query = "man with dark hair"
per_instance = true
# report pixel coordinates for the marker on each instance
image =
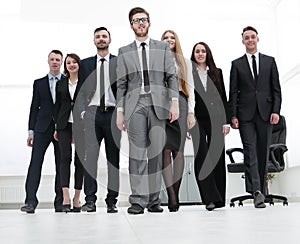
(147, 96)
(41, 130)
(96, 103)
(255, 101)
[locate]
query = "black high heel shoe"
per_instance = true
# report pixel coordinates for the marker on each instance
(66, 208)
(76, 209)
(173, 207)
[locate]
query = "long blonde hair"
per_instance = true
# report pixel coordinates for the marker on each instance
(181, 64)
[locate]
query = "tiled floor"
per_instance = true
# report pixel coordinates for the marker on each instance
(192, 224)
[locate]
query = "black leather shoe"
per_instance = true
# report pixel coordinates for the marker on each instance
(89, 207)
(58, 210)
(66, 208)
(112, 208)
(135, 209)
(155, 209)
(210, 206)
(259, 200)
(28, 208)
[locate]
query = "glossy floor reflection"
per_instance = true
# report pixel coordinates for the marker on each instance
(192, 224)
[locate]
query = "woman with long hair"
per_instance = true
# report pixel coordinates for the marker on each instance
(211, 111)
(177, 131)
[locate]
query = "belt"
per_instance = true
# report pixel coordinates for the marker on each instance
(106, 109)
(145, 95)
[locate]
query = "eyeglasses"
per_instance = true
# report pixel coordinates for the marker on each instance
(138, 20)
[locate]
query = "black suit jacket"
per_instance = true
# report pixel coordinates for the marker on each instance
(246, 95)
(42, 107)
(211, 104)
(64, 104)
(87, 78)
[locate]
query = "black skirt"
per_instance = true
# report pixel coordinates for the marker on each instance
(176, 131)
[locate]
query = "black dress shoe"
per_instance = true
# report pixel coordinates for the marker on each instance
(89, 207)
(135, 209)
(210, 206)
(259, 200)
(66, 208)
(28, 208)
(155, 209)
(112, 208)
(58, 210)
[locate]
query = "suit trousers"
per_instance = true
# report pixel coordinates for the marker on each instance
(146, 135)
(40, 144)
(256, 139)
(209, 164)
(98, 126)
(65, 144)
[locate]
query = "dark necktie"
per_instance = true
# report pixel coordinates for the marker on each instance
(102, 92)
(254, 67)
(145, 68)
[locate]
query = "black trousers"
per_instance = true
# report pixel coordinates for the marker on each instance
(209, 164)
(65, 145)
(256, 139)
(98, 126)
(40, 144)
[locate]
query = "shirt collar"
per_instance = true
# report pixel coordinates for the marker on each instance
(58, 77)
(199, 70)
(106, 57)
(138, 43)
(70, 83)
(249, 56)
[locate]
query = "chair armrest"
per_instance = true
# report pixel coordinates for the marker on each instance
(230, 152)
(282, 149)
(279, 146)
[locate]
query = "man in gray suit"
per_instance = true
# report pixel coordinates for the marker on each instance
(255, 101)
(147, 95)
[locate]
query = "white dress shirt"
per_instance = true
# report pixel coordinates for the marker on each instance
(139, 49)
(109, 96)
(249, 57)
(72, 88)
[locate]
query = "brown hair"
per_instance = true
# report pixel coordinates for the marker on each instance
(56, 52)
(71, 55)
(247, 28)
(213, 70)
(180, 61)
(137, 10)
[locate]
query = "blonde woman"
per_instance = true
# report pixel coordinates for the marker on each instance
(176, 132)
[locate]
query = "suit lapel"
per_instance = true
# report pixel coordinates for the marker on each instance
(260, 66)
(135, 56)
(152, 47)
(248, 68)
(47, 85)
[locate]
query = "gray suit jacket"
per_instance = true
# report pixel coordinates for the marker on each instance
(162, 77)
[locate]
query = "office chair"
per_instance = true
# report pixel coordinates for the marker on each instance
(275, 164)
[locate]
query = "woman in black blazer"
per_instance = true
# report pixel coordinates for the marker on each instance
(66, 91)
(211, 112)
